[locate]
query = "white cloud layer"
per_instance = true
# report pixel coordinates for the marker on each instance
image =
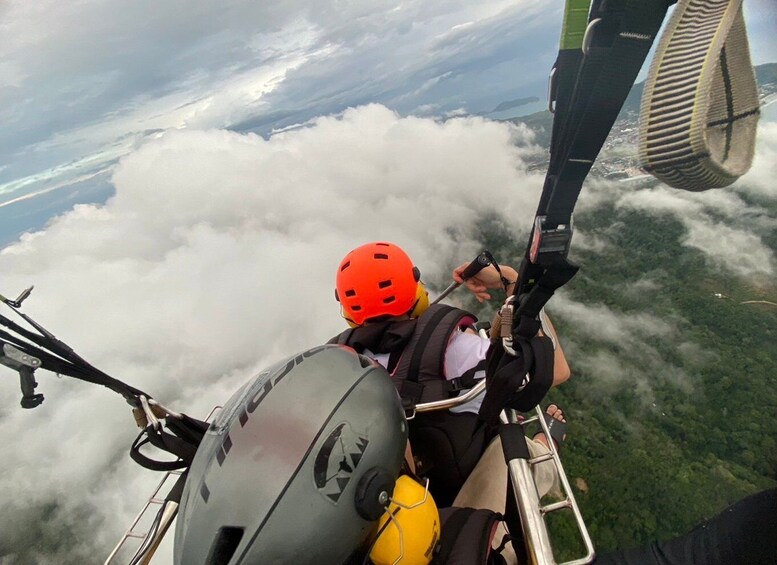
(216, 257)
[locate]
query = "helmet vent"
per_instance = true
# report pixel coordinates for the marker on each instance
(384, 284)
(345, 266)
(389, 300)
(225, 545)
(350, 292)
(356, 308)
(381, 256)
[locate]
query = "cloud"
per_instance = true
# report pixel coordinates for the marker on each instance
(622, 330)
(759, 181)
(214, 258)
(619, 345)
(730, 226)
(727, 229)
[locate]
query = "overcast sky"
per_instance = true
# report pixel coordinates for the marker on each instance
(83, 83)
(188, 280)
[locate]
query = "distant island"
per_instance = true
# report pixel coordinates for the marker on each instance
(510, 104)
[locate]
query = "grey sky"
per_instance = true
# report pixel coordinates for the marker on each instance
(83, 83)
(87, 81)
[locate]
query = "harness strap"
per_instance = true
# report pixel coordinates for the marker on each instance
(618, 38)
(186, 436)
(467, 379)
(432, 340)
(517, 381)
(165, 442)
(420, 371)
(413, 393)
(605, 63)
(700, 104)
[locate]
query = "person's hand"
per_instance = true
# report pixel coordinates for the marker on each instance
(486, 279)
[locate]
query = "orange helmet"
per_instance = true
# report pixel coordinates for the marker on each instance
(379, 279)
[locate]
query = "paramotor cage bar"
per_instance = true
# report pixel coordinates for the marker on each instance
(156, 532)
(530, 509)
(167, 510)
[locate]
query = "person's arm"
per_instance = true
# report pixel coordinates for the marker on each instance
(486, 279)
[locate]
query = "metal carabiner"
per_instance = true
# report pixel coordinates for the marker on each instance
(153, 421)
(589, 35)
(551, 84)
(506, 331)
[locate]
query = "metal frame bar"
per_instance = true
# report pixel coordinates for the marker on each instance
(159, 533)
(530, 508)
(153, 537)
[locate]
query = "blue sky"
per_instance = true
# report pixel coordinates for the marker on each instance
(84, 83)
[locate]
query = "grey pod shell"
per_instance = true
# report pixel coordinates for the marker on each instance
(276, 476)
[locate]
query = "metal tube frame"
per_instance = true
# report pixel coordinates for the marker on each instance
(530, 508)
(153, 537)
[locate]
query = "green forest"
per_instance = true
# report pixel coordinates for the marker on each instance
(687, 425)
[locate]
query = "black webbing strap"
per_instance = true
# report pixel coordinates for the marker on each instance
(177, 491)
(526, 324)
(519, 382)
(420, 347)
(513, 522)
(619, 43)
(165, 442)
(58, 357)
(182, 443)
(466, 380)
(514, 447)
(513, 442)
(503, 378)
(619, 36)
(80, 370)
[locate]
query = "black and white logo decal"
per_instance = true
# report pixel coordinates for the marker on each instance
(337, 460)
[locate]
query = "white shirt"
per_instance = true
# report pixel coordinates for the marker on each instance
(465, 350)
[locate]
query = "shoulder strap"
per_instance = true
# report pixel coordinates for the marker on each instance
(341, 338)
(425, 354)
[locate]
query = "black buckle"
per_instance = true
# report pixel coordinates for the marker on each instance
(455, 386)
(408, 406)
(547, 241)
